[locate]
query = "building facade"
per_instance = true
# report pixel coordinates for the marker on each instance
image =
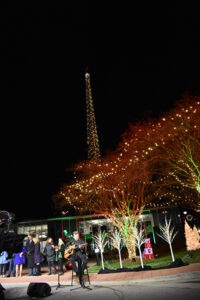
(89, 225)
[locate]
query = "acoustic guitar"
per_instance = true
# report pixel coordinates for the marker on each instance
(72, 249)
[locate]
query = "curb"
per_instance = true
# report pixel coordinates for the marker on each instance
(182, 276)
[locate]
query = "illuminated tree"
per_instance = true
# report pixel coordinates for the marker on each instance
(192, 238)
(116, 241)
(120, 196)
(101, 241)
(181, 153)
(139, 241)
(172, 146)
(168, 234)
(124, 206)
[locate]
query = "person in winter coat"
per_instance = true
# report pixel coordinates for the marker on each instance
(49, 251)
(30, 250)
(3, 263)
(20, 261)
(60, 255)
(38, 257)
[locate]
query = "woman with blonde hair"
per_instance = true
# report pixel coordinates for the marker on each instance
(50, 254)
(38, 258)
(60, 255)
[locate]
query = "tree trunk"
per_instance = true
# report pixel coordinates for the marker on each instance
(141, 259)
(129, 239)
(131, 250)
(172, 254)
(120, 258)
(102, 262)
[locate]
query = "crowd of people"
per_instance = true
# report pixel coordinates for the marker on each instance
(53, 254)
(31, 255)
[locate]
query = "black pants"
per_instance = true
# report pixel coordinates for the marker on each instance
(2, 269)
(51, 264)
(97, 258)
(38, 269)
(80, 257)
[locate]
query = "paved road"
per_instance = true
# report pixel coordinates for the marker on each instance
(182, 286)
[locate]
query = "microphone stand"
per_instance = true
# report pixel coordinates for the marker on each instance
(58, 284)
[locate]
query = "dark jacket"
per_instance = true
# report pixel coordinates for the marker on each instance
(38, 257)
(30, 249)
(49, 252)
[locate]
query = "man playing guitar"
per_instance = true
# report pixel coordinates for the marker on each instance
(79, 254)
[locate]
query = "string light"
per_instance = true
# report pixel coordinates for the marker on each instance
(152, 131)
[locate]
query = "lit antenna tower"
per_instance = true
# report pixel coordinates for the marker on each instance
(92, 136)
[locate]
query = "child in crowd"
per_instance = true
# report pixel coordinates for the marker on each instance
(3, 263)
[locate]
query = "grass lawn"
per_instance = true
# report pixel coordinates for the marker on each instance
(162, 261)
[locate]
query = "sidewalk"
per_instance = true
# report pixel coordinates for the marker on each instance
(109, 278)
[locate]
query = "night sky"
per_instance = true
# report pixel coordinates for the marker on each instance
(141, 60)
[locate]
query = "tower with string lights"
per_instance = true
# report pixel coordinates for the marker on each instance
(92, 135)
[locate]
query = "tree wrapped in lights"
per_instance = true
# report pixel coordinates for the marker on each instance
(168, 234)
(140, 240)
(116, 241)
(192, 238)
(185, 166)
(100, 242)
(172, 146)
(181, 153)
(126, 207)
(121, 196)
